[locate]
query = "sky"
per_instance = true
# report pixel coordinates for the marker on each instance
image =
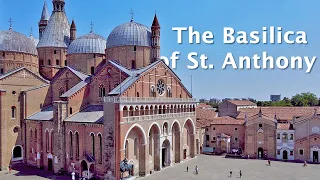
(203, 15)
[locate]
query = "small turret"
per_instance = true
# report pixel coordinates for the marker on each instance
(155, 39)
(73, 31)
(58, 5)
(44, 19)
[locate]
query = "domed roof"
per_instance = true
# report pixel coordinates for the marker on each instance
(34, 40)
(13, 41)
(130, 33)
(89, 43)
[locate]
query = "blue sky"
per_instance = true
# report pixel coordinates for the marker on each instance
(203, 15)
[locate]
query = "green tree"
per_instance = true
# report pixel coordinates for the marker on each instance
(305, 99)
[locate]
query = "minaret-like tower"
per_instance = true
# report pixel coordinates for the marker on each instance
(155, 30)
(44, 19)
(73, 31)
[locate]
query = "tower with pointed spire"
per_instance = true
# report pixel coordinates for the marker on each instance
(58, 5)
(44, 19)
(73, 31)
(155, 41)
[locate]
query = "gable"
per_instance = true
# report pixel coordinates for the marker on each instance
(160, 77)
(21, 79)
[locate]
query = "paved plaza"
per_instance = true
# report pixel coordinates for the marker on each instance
(218, 168)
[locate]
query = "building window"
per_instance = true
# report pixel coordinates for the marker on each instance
(92, 141)
(1, 71)
(236, 129)
(133, 64)
(65, 62)
(284, 136)
(55, 51)
(49, 62)
(35, 135)
(102, 91)
(278, 136)
(70, 110)
(206, 129)
(126, 149)
(278, 152)
(169, 92)
(61, 91)
(57, 62)
(138, 94)
(291, 136)
(100, 148)
(207, 138)
(236, 139)
(13, 112)
(260, 125)
(31, 135)
(47, 141)
(134, 48)
(41, 62)
(301, 151)
(213, 138)
(77, 145)
(14, 92)
(52, 141)
(214, 128)
(94, 55)
(3, 54)
(92, 70)
(291, 153)
(152, 91)
(71, 145)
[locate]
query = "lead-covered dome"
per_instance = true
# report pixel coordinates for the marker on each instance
(89, 43)
(16, 42)
(130, 33)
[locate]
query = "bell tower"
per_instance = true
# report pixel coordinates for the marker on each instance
(58, 5)
(155, 39)
(73, 31)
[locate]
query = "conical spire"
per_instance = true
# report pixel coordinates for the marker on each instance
(155, 22)
(45, 14)
(73, 25)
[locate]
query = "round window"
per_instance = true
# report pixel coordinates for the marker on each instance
(161, 87)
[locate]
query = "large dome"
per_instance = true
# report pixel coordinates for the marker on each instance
(130, 33)
(16, 42)
(89, 43)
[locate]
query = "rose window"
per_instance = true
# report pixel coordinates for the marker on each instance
(161, 87)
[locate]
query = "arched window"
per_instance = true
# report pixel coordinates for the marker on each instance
(71, 145)
(92, 141)
(127, 149)
(77, 145)
(47, 141)
(3, 54)
(52, 141)
(41, 62)
(100, 148)
(70, 110)
(31, 135)
(57, 62)
(13, 112)
(134, 48)
(135, 146)
(17, 153)
(102, 91)
(1, 71)
(92, 70)
(152, 91)
(133, 64)
(67, 85)
(138, 94)
(49, 62)
(169, 92)
(65, 63)
(35, 135)
(55, 52)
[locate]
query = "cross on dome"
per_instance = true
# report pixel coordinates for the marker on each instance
(132, 15)
(11, 22)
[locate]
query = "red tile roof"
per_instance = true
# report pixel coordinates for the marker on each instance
(282, 113)
(242, 103)
(283, 126)
(224, 120)
(205, 113)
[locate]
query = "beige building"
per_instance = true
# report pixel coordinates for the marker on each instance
(232, 107)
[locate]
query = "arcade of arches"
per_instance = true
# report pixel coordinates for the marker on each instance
(160, 144)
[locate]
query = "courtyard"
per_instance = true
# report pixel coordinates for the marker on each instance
(218, 167)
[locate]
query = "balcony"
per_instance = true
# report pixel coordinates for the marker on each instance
(150, 100)
(157, 117)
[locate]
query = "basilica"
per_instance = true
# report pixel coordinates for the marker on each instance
(84, 104)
